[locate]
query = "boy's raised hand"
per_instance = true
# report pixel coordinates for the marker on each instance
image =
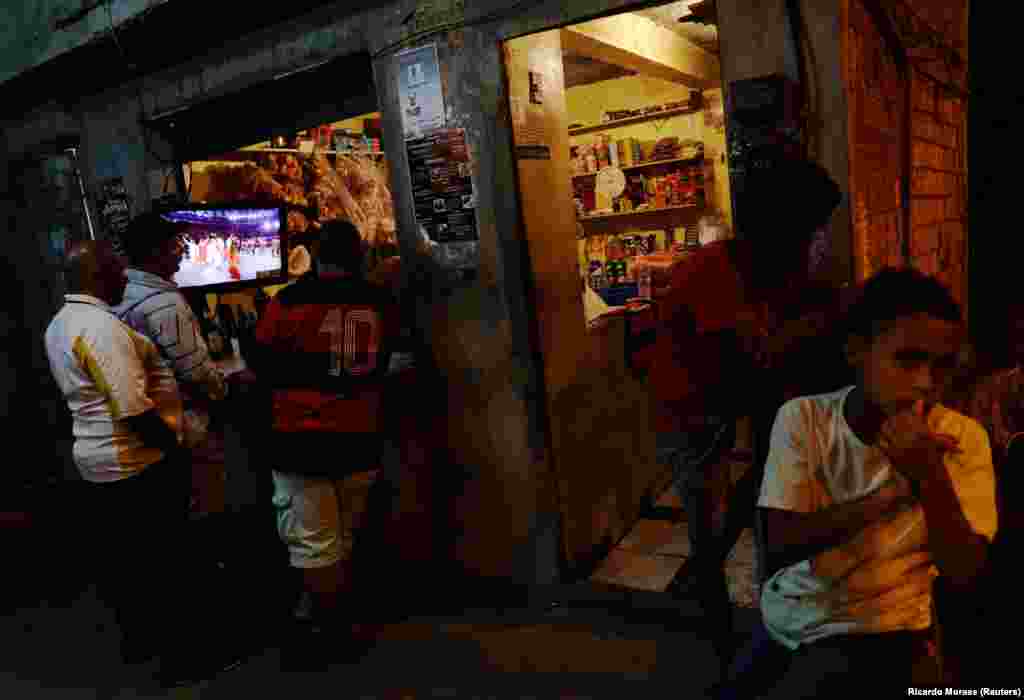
(914, 450)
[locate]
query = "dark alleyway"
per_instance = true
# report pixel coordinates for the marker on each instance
(61, 642)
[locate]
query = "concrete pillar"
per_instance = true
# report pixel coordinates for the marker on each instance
(480, 330)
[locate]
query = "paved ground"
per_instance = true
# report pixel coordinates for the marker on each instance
(59, 641)
(68, 649)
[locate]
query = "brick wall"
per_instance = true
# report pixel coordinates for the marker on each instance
(876, 100)
(937, 180)
(938, 236)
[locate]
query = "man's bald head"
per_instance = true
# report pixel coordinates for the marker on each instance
(92, 267)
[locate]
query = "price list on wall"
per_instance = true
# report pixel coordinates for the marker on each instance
(445, 197)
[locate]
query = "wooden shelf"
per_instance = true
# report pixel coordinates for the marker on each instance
(637, 212)
(328, 153)
(248, 156)
(664, 114)
(646, 165)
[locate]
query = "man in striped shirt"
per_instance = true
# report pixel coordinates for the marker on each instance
(154, 307)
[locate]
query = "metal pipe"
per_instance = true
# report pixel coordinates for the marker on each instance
(73, 152)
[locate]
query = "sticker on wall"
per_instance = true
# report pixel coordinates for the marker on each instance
(714, 112)
(445, 197)
(419, 91)
(533, 153)
(113, 203)
(536, 88)
(530, 132)
(518, 111)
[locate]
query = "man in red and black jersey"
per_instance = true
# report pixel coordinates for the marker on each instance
(324, 346)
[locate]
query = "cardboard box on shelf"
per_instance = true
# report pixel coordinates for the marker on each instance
(660, 265)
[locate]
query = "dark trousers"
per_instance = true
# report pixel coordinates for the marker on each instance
(743, 497)
(694, 457)
(873, 664)
(140, 530)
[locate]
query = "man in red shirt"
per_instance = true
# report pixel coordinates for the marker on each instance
(324, 346)
(733, 311)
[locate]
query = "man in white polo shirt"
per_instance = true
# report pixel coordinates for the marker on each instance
(127, 422)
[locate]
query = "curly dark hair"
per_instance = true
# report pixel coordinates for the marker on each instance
(145, 234)
(340, 244)
(784, 199)
(896, 293)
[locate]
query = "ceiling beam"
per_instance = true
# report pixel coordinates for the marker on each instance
(639, 44)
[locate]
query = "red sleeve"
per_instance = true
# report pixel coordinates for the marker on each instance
(686, 362)
(266, 329)
(392, 322)
(672, 376)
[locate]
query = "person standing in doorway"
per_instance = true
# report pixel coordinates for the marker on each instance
(725, 304)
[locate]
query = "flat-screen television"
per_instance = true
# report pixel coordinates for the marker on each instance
(231, 246)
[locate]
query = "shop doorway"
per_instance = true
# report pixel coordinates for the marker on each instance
(328, 172)
(317, 154)
(620, 146)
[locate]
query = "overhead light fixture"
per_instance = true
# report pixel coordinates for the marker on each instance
(702, 12)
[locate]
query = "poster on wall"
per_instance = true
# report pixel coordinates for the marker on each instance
(113, 204)
(714, 111)
(419, 91)
(445, 197)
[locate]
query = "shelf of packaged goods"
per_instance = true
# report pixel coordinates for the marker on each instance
(640, 166)
(250, 154)
(327, 153)
(663, 114)
(637, 212)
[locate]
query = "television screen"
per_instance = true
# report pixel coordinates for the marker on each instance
(227, 246)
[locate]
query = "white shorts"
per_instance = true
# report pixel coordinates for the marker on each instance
(317, 518)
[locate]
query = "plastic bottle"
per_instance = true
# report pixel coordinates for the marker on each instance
(228, 329)
(260, 301)
(214, 337)
(644, 281)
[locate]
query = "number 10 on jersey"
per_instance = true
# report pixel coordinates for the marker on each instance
(355, 341)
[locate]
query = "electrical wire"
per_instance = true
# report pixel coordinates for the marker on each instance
(117, 40)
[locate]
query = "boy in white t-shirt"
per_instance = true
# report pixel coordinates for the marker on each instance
(860, 501)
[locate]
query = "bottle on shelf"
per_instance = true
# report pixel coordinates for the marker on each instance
(260, 301)
(228, 328)
(644, 282)
(214, 337)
